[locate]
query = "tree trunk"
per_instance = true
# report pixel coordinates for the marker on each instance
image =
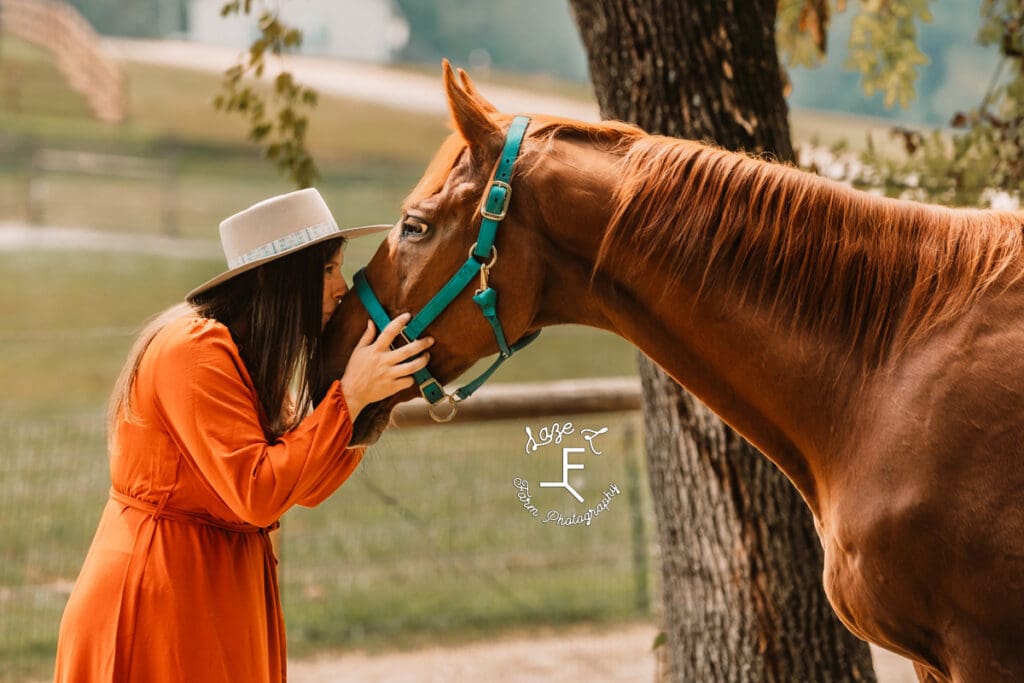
(741, 562)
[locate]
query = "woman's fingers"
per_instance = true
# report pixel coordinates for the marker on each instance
(376, 371)
(403, 383)
(389, 333)
(417, 364)
(409, 350)
(414, 365)
(368, 334)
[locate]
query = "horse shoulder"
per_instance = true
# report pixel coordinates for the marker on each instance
(924, 528)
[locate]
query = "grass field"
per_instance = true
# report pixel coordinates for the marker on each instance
(427, 541)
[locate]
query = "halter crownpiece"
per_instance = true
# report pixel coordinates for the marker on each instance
(482, 257)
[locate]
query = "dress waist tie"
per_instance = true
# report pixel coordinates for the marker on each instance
(137, 563)
(161, 511)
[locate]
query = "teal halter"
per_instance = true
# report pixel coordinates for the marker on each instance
(482, 256)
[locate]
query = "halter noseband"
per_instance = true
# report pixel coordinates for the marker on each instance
(482, 256)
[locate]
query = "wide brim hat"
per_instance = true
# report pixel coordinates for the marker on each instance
(276, 227)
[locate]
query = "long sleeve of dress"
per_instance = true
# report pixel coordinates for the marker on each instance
(335, 478)
(209, 408)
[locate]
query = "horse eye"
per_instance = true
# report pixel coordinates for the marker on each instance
(414, 227)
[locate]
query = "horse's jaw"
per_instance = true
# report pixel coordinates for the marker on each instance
(375, 418)
(370, 424)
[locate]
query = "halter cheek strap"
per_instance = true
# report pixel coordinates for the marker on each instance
(482, 256)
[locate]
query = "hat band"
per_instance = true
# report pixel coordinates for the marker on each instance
(286, 243)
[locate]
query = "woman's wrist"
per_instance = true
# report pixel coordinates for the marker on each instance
(355, 405)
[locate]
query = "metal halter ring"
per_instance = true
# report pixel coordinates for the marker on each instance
(485, 268)
(444, 418)
(494, 255)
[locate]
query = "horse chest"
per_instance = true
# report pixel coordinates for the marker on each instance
(928, 567)
(875, 582)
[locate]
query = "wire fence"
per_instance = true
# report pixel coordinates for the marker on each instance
(443, 532)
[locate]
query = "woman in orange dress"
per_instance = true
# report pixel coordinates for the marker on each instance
(213, 436)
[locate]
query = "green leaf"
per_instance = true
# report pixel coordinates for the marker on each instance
(292, 38)
(256, 50)
(283, 82)
(259, 132)
(282, 133)
(285, 119)
(883, 48)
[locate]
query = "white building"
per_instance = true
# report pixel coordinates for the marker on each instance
(361, 30)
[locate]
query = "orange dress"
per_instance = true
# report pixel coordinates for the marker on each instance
(180, 583)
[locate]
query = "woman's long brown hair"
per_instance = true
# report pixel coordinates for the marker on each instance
(274, 315)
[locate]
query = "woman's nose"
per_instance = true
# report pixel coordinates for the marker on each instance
(340, 287)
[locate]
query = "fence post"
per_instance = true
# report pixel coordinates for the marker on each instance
(639, 535)
(35, 185)
(169, 214)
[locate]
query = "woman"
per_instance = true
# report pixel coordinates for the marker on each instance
(213, 436)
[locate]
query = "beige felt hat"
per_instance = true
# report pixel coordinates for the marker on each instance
(275, 227)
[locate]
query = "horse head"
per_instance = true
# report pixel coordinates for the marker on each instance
(436, 234)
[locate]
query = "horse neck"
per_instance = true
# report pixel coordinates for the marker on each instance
(765, 292)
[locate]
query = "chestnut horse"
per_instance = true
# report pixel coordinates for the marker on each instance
(873, 349)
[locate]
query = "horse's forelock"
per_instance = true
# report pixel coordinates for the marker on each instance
(438, 170)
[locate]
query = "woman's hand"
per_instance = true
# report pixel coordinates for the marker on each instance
(376, 371)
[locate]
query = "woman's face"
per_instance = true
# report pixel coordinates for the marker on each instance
(335, 286)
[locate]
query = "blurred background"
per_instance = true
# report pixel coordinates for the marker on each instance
(115, 170)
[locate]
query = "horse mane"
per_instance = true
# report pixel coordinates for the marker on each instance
(877, 272)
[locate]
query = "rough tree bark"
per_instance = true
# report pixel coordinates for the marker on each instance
(741, 562)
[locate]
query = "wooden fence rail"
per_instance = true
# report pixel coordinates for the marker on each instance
(554, 399)
(534, 399)
(163, 171)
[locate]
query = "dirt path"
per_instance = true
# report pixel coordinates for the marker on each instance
(16, 236)
(619, 656)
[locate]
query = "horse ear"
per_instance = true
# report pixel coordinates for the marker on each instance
(472, 118)
(474, 93)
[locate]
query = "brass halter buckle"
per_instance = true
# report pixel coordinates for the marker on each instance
(450, 398)
(500, 213)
